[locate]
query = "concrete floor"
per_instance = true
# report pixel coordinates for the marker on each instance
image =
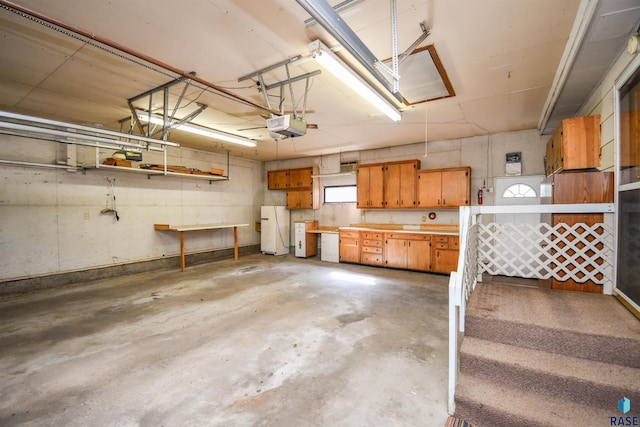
(264, 341)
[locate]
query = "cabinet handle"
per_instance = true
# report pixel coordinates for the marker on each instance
(444, 202)
(438, 202)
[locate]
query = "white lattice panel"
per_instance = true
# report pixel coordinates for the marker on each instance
(579, 252)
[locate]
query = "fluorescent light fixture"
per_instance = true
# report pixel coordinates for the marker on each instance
(198, 130)
(332, 63)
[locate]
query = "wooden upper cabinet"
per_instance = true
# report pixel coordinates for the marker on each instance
(429, 188)
(278, 180)
(575, 145)
(582, 187)
(369, 183)
(444, 188)
(456, 187)
(301, 178)
(400, 184)
(303, 192)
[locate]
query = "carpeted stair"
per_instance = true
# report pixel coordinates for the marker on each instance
(538, 357)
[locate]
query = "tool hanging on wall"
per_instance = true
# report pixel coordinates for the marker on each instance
(113, 208)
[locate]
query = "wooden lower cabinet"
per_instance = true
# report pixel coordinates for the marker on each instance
(396, 248)
(445, 254)
(578, 187)
(570, 284)
(408, 251)
(372, 248)
(349, 246)
(419, 255)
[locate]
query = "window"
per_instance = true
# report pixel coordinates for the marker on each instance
(629, 125)
(519, 190)
(340, 194)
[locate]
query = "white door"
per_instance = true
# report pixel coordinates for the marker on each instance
(516, 244)
(518, 190)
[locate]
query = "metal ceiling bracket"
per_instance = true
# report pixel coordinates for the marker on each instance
(338, 8)
(293, 79)
(415, 44)
(168, 119)
(329, 19)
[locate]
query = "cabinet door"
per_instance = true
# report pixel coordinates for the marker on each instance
(429, 188)
(300, 199)
(396, 253)
(349, 248)
(369, 183)
(362, 186)
(445, 261)
(400, 184)
(455, 188)
(376, 190)
(419, 255)
(583, 187)
(300, 178)
(581, 143)
(277, 180)
(549, 158)
(407, 191)
(556, 151)
(392, 186)
(271, 180)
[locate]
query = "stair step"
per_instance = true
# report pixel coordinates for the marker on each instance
(554, 375)
(588, 326)
(487, 404)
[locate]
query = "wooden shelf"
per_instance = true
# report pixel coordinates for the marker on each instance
(151, 172)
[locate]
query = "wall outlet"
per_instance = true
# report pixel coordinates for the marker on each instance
(424, 218)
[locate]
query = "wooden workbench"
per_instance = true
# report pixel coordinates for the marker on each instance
(199, 227)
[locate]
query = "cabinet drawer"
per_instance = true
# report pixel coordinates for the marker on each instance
(371, 235)
(372, 259)
(347, 233)
(372, 249)
(454, 243)
(442, 239)
(422, 237)
(440, 245)
(375, 243)
(395, 236)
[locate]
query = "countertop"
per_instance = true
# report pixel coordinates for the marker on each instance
(444, 229)
(422, 230)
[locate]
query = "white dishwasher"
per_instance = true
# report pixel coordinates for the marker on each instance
(329, 246)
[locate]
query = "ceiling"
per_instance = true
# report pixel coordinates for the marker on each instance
(501, 57)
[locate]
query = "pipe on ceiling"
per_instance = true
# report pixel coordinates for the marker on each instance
(217, 89)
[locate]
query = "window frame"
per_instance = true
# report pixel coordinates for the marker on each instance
(324, 193)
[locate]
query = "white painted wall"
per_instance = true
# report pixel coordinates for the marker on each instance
(602, 102)
(50, 220)
(485, 155)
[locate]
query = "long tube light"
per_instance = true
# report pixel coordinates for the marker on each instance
(327, 59)
(198, 130)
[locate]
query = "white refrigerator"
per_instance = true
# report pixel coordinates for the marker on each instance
(274, 230)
